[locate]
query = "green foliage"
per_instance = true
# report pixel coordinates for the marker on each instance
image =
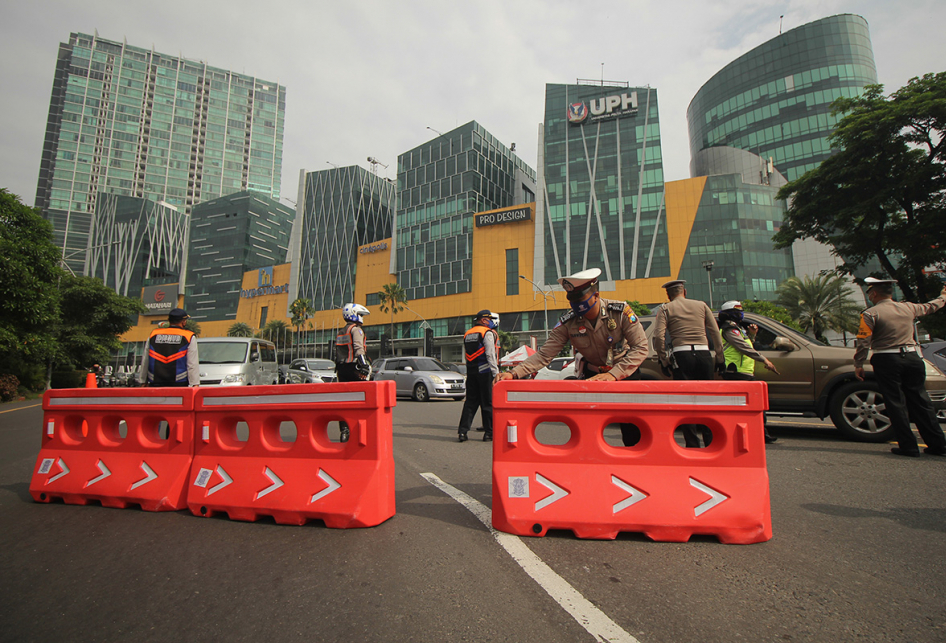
(277, 331)
(8, 387)
(772, 311)
(507, 342)
(301, 310)
(392, 296)
(820, 303)
(192, 326)
(29, 274)
(882, 195)
(239, 329)
(93, 316)
(638, 308)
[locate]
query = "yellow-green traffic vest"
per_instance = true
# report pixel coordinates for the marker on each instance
(744, 363)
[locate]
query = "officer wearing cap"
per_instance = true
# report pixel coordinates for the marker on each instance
(887, 331)
(606, 333)
(172, 358)
(480, 348)
(696, 348)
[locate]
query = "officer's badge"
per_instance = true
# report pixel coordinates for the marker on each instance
(612, 324)
(582, 330)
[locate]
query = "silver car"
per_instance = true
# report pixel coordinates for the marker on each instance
(311, 370)
(421, 378)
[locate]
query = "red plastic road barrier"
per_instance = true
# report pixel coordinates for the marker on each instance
(138, 449)
(656, 487)
(346, 485)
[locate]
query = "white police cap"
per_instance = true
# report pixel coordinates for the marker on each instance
(580, 280)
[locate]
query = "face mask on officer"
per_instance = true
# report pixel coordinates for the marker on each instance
(582, 301)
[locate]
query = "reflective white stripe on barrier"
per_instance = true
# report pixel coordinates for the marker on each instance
(627, 398)
(305, 398)
(116, 401)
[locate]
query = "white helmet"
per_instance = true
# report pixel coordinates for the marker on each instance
(354, 313)
(729, 305)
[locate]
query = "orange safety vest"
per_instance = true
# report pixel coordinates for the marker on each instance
(473, 346)
(167, 355)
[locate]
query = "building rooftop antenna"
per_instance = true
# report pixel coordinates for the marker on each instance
(374, 165)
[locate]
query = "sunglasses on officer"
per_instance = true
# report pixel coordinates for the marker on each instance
(579, 295)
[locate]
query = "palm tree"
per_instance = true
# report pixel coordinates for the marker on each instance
(275, 331)
(239, 329)
(301, 310)
(392, 296)
(820, 303)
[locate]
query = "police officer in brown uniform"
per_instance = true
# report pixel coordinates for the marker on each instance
(606, 333)
(696, 348)
(887, 331)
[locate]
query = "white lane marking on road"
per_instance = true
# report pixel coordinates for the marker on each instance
(580, 608)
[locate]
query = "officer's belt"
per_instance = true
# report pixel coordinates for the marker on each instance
(597, 369)
(899, 349)
(690, 347)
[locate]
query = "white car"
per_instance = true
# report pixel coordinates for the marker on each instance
(559, 368)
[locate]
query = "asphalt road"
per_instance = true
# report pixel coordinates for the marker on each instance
(857, 554)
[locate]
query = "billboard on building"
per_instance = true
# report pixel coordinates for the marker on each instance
(159, 300)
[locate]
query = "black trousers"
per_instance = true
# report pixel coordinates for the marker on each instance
(901, 378)
(694, 365)
(479, 395)
(346, 373)
(630, 433)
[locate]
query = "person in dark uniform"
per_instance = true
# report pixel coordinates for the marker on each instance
(696, 349)
(887, 331)
(172, 358)
(606, 333)
(741, 356)
(481, 350)
(351, 358)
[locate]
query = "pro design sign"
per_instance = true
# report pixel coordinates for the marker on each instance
(503, 216)
(597, 109)
(159, 300)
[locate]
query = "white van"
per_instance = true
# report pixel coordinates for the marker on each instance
(236, 361)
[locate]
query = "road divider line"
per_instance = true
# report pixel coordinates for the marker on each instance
(596, 622)
(21, 408)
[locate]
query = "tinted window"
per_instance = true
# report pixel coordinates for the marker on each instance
(222, 352)
(427, 364)
(321, 365)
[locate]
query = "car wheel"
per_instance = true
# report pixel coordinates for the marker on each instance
(858, 411)
(458, 399)
(421, 394)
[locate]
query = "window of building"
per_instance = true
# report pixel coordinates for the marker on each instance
(263, 313)
(512, 271)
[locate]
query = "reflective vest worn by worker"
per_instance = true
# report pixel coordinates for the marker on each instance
(744, 363)
(474, 348)
(167, 355)
(347, 345)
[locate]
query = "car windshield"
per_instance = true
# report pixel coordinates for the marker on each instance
(320, 365)
(222, 352)
(427, 364)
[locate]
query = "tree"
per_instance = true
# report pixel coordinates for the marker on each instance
(29, 279)
(507, 341)
(239, 329)
(93, 317)
(820, 303)
(301, 310)
(192, 326)
(881, 195)
(275, 331)
(772, 311)
(392, 296)
(638, 308)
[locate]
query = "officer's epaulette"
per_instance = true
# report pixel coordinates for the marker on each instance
(567, 316)
(621, 307)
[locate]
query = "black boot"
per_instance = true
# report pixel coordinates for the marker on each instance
(345, 433)
(488, 437)
(461, 436)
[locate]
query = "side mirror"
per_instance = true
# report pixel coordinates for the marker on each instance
(254, 357)
(409, 369)
(783, 344)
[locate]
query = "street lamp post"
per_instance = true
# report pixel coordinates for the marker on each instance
(709, 267)
(545, 301)
(424, 325)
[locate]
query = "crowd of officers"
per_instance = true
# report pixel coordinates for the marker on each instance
(610, 345)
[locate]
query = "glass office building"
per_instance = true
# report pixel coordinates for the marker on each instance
(138, 243)
(133, 122)
(775, 100)
(340, 209)
(600, 184)
(440, 184)
(229, 236)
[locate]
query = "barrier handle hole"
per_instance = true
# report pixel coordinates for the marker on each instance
(42, 496)
(203, 511)
(537, 528)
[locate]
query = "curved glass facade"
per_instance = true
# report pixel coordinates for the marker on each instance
(775, 100)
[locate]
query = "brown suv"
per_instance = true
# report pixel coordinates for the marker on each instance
(816, 380)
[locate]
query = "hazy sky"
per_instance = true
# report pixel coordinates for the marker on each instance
(368, 77)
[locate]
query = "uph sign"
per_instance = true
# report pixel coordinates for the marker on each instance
(614, 106)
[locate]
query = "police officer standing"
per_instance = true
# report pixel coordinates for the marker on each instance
(606, 333)
(480, 348)
(172, 358)
(887, 330)
(351, 358)
(741, 356)
(696, 348)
